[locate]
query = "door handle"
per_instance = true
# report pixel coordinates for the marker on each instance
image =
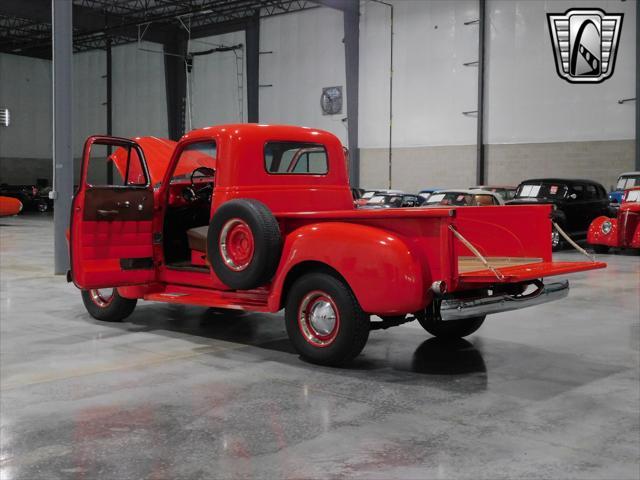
(107, 213)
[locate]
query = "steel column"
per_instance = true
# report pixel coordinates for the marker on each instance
(352, 62)
(638, 86)
(252, 39)
(109, 109)
(481, 172)
(175, 51)
(62, 33)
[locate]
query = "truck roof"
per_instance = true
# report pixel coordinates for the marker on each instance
(559, 180)
(258, 131)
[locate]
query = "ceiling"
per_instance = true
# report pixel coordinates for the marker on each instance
(25, 25)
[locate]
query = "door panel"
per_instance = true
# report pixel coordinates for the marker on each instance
(112, 225)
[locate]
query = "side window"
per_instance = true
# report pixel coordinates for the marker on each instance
(299, 158)
(579, 191)
(124, 163)
(592, 192)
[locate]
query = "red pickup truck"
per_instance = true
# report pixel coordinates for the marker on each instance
(261, 217)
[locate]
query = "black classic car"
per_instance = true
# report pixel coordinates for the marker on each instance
(31, 196)
(575, 203)
(388, 200)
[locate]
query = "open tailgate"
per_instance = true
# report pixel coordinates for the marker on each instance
(523, 272)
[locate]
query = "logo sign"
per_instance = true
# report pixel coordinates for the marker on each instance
(585, 43)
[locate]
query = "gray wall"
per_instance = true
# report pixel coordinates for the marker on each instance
(536, 124)
(139, 105)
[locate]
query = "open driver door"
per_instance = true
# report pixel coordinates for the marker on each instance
(111, 239)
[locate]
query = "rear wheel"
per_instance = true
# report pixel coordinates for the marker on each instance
(324, 320)
(107, 304)
(450, 329)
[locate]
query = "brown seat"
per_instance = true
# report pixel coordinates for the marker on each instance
(198, 238)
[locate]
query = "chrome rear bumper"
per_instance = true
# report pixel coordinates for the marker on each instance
(456, 309)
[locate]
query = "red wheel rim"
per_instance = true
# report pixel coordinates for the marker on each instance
(318, 319)
(236, 244)
(102, 298)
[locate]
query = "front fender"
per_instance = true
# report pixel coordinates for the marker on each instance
(595, 235)
(382, 271)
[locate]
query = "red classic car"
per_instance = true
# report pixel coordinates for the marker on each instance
(9, 206)
(622, 231)
(261, 218)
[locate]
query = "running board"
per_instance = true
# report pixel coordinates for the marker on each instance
(252, 300)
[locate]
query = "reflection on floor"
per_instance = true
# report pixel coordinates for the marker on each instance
(182, 392)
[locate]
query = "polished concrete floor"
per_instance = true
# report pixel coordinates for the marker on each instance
(185, 393)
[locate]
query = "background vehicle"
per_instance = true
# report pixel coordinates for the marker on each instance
(367, 194)
(392, 201)
(426, 192)
(623, 231)
(9, 206)
(506, 192)
(575, 203)
(231, 224)
(29, 196)
(625, 181)
(464, 198)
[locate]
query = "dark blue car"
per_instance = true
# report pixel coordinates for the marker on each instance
(626, 180)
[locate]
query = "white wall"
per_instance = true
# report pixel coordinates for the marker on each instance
(431, 87)
(89, 94)
(528, 102)
(139, 90)
(308, 54)
(214, 82)
(25, 88)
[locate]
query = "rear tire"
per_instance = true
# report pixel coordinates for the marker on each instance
(451, 329)
(600, 248)
(108, 308)
(324, 320)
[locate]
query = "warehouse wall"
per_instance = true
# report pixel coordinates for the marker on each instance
(308, 54)
(536, 123)
(215, 97)
(139, 105)
(25, 146)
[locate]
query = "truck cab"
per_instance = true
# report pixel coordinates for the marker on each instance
(261, 217)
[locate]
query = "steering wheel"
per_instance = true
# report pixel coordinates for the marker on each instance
(191, 193)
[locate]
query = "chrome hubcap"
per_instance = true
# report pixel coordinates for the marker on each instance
(322, 317)
(319, 319)
(102, 297)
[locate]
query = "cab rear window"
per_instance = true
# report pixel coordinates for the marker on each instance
(295, 158)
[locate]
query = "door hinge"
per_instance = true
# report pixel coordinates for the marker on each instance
(157, 238)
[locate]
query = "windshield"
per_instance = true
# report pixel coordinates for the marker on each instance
(541, 190)
(625, 182)
(450, 198)
(633, 196)
(195, 156)
(385, 200)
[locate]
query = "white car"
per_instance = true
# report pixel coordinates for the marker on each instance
(462, 197)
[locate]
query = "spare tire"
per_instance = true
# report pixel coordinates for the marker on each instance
(244, 244)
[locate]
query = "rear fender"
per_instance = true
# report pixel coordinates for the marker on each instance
(382, 271)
